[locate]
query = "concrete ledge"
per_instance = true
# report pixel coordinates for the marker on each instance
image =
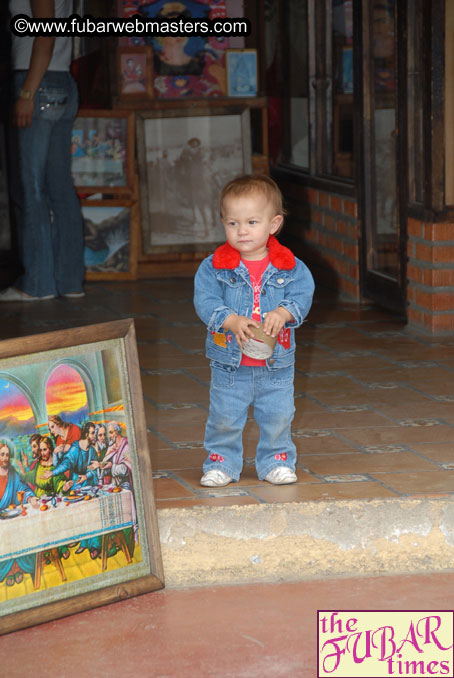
(288, 542)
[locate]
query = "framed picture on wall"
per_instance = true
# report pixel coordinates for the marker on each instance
(188, 66)
(102, 151)
(241, 67)
(111, 229)
(347, 70)
(185, 157)
(78, 528)
(135, 73)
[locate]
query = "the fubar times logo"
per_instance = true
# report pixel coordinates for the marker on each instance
(373, 644)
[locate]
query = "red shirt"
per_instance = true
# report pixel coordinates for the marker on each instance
(256, 270)
(73, 434)
(3, 484)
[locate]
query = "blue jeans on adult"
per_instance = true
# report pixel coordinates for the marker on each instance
(50, 227)
(232, 390)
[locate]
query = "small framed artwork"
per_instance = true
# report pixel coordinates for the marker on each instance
(135, 73)
(347, 70)
(111, 230)
(78, 520)
(102, 152)
(185, 157)
(242, 80)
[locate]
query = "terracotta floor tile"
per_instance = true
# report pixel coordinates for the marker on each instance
(440, 387)
(165, 418)
(316, 384)
(423, 482)
(443, 452)
(168, 488)
(170, 459)
(323, 445)
(174, 388)
(366, 463)
(339, 420)
(431, 409)
(313, 492)
(400, 434)
(201, 374)
(154, 442)
(181, 313)
(185, 424)
(320, 362)
(155, 356)
(358, 395)
(306, 405)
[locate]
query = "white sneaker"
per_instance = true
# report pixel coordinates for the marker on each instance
(13, 294)
(281, 475)
(215, 478)
(74, 295)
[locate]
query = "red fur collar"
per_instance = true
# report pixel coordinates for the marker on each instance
(281, 257)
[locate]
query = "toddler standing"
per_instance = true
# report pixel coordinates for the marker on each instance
(250, 279)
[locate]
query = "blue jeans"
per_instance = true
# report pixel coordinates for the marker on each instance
(232, 390)
(48, 216)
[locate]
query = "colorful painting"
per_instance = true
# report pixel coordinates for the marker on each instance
(347, 70)
(183, 66)
(106, 238)
(242, 73)
(135, 73)
(72, 516)
(99, 151)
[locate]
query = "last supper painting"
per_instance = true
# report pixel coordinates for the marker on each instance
(76, 504)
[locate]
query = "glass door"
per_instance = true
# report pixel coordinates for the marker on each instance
(382, 182)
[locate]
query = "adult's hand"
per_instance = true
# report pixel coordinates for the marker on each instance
(23, 112)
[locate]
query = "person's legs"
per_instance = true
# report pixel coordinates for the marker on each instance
(30, 145)
(67, 225)
(230, 397)
(274, 409)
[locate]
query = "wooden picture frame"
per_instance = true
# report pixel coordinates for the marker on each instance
(103, 152)
(135, 73)
(242, 72)
(185, 157)
(53, 538)
(111, 232)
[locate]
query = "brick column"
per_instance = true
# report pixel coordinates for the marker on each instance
(331, 227)
(430, 274)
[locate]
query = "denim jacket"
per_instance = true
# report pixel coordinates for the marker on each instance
(222, 286)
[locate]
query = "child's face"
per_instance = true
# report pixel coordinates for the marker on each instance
(248, 221)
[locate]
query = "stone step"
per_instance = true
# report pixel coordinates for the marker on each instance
(297, 541)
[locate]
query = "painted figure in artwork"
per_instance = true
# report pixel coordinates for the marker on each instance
(26, 464)
(35, 477)
(14, 491)
(65, 434)
(78, 459)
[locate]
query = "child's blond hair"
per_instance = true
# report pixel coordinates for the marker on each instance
(250, 183)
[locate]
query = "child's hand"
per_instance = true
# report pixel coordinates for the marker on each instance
(275, 321)
(239, 325)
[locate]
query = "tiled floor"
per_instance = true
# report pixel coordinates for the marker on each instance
(374, 400)
(375, 418)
